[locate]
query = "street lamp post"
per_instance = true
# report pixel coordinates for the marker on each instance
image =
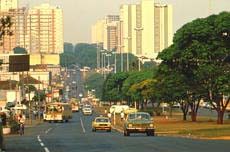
(121, 53)
(137, 29)
(108, 55)
(127, 57)
(115, 62)
(140, 59)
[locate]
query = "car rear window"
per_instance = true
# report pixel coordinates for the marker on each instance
(102, 120)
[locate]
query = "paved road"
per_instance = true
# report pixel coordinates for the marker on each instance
(76, 135)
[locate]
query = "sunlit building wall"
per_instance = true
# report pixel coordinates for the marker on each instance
(105, 32)
(97, 31)
(163, 27)
(5, 5)
(147, 20)
(145, 28)
(18, 19)
(45, 29)
(10, 41)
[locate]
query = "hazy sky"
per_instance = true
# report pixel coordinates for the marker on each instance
(80, 15)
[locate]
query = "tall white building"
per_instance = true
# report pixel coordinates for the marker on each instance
(105, 32)
(145, 28)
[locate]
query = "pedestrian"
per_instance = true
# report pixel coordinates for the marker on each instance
(105, 111)
(122, 115)
(21, 122)
(2, 144)
(109, 115)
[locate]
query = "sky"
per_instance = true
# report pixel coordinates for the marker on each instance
(80, 15)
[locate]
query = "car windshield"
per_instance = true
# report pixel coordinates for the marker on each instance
(138, 116)
(102, 120)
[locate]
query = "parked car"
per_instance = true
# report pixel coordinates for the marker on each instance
(139, 122)
(101, 123)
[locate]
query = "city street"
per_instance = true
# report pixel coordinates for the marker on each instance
(76, 135)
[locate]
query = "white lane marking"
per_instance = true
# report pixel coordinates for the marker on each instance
(42, 144)
(82, 126)
(39, 138)
(46, 149)
(47, 131)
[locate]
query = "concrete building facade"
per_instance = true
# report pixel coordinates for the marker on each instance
(104, 32)
(5, 5)
(145, 28)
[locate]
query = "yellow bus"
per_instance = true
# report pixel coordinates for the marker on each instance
(58, 111)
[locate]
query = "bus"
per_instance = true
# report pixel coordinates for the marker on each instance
(58, 112)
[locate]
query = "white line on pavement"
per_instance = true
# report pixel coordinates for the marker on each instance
(42, 144)
(46, 149)
(82, 126)
(47, 131)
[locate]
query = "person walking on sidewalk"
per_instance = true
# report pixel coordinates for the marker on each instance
(21, 124)
(2, 144)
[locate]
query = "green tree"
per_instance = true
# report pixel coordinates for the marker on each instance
(134, 78)
(5, 27)
(112, 88)
(95, 82)
(201, 53)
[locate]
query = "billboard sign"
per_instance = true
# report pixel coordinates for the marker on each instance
(19, 63)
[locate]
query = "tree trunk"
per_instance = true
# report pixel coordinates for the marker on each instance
(184, 116)
(220, 118)
(193, 116)
(145, 104)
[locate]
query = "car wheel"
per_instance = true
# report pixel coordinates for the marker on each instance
(93, 130)
(126, 133)
(109, 130)
(152, 133)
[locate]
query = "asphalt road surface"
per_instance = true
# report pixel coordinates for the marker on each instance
(76, 136)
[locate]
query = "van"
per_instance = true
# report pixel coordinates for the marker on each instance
(118, 108)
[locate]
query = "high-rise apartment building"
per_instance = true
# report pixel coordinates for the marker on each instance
(145, 28)
(39, 30)
(45, 29)
(10, 8)
(5, 5)
(44, 34)
(105, 32)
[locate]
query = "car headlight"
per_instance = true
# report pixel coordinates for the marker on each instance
(151, 125)
(130, 125)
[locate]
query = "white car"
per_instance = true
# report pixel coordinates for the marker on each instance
(87, 110)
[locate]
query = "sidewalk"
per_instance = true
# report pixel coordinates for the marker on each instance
(32, 123)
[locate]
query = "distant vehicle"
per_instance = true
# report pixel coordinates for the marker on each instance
(87, 110)
(118, 108)
(58, 111)
(101, 123)
(74, 104)
(139, 122)
(176, 105)
(130, 110)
